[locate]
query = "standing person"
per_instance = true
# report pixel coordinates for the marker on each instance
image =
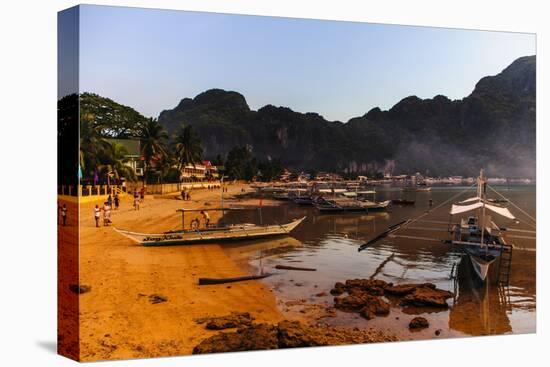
(117, 201)
(64, 214)
(106, 214)
(142, 193)
(206, 218)
(110, 200)
(97, 212)
(183, 194)
(189, 195)
(136, 200)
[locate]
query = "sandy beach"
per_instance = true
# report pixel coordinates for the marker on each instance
(117, 317)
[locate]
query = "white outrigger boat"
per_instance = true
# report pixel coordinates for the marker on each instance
(234, 232)
(476, 234)
(480, 237)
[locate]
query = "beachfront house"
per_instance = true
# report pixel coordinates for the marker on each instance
(133, 154)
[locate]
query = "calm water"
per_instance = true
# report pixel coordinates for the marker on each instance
(329, 242)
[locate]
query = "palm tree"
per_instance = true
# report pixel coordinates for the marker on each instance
(153, 137)
(116, 163)
(92, 145)
(187, 147)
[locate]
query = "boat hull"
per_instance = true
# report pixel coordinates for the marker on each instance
(481, 260)
(216, 235)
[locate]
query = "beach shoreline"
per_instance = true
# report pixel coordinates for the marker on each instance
(145, 301)
(117, 317)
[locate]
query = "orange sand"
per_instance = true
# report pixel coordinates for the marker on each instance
(117, 319)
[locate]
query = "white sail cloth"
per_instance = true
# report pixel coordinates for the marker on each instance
(475, 198)
(458, 209)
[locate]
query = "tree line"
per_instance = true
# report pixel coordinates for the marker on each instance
(163, 156)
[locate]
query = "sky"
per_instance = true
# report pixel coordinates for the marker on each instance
(151, 59)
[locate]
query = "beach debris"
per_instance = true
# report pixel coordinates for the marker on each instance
(157, 298)
(321, 294)
(419, 323)
(212, 281)
(80, 288)
(437, 332)
(233, 320)
(287, 267)
(286, 334)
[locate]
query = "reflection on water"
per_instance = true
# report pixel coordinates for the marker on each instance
(329, 242)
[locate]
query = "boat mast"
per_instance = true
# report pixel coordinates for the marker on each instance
(481, 191)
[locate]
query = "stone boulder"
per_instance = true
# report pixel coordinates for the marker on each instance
(419, 323)
(404, 289)
(425, 296)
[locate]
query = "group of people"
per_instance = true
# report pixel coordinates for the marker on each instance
(139, 196)
(185, 195)
(106, 214)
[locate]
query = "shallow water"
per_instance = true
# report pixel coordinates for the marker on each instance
(329, 243)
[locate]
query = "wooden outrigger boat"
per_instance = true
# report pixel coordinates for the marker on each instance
(350, 205)
(236, 232)
(351, 201)
(478, 236)
(416, 189)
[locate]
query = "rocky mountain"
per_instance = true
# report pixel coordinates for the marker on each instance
(493, 127)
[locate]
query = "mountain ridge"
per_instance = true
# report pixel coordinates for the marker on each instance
(492, 127)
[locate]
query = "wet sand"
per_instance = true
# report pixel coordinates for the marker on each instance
(117, 318)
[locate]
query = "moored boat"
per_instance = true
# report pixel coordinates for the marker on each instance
(237, 232)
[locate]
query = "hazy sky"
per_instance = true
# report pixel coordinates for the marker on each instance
(151, 59)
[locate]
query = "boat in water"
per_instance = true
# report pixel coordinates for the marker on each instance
(235, 232)
(480, 238)
(350, 205)
(416, 189)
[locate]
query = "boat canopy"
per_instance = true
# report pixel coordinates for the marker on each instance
(475, 198)
(458, 209)
(332, 190)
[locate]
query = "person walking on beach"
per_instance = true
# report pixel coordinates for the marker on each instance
(136, 200)
(106, 214)
(97, 213)
(206, 218)
(64, 214)
(110, 200)
(142, 193)
(117, 201)
(183, 194)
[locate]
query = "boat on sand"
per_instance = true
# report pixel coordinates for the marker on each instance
(235, 232)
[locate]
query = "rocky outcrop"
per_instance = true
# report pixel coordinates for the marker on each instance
(254, 337)
(501, 110)
(425, 296)
(233, 320)
(286, 334)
